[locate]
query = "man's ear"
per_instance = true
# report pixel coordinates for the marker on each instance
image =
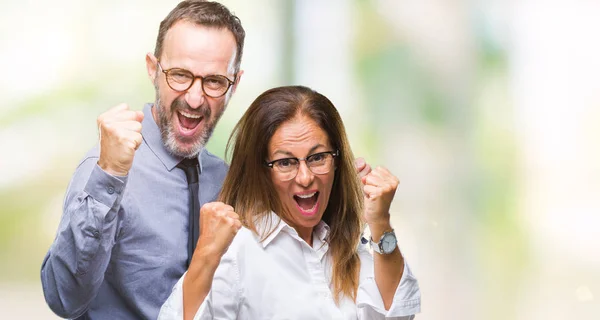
(151, 65)
(238, 77)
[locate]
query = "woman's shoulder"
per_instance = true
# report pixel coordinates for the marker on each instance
(245, 234)
(243, 250)
(245, 239)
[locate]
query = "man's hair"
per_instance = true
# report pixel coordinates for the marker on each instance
(203, 13)
(248, 186)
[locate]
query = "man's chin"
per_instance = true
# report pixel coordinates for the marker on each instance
(189, 151)
(184, 147)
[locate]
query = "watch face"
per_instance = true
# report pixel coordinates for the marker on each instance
(388, 243)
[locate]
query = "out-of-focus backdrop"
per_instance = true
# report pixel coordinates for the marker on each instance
(488, 111)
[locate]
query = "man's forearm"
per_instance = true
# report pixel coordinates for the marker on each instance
(74, 267)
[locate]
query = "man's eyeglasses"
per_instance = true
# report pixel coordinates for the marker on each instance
(180, 80)
(318, 163)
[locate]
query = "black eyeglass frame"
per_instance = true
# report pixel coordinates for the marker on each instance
(334, 154)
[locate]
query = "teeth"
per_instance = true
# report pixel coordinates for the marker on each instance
(304, 196)
(311, 209)
(189, 115)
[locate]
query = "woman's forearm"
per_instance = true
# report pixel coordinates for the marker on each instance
(388, 267)
(197, 282)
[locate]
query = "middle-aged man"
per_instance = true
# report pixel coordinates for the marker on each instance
(122, 242)
(130, 219)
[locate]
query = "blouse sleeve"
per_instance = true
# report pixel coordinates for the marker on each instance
(222, 301)
(407, 298)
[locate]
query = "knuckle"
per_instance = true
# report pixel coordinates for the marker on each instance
(219, 213)
(132, 145)
(207, 207)
(231, 222)
(130, 114)
(103, 124)
(218, 204)
(122, 139)
(110, 128)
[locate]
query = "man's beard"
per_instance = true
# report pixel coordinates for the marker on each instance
(170, 136)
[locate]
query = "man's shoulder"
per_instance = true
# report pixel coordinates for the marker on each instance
(213, 162)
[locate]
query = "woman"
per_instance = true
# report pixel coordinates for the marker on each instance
(293, 186)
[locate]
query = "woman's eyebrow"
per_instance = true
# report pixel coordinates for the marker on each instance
(289, 154)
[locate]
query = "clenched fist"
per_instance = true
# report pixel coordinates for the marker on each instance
(120, 132)
(218, 226)
(379, 187)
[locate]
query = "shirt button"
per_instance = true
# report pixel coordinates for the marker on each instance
(96, 234)
(111, 190)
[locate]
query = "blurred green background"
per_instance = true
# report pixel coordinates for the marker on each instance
(488, 111)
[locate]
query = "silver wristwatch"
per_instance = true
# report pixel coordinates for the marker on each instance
(387, 243)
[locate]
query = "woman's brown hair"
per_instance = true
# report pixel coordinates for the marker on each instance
(249, 190)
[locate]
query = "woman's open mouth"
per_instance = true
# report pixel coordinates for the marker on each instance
(307, 203)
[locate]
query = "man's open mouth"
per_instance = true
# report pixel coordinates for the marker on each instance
(188, 121)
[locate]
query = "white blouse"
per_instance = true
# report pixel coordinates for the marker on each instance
(283, 277)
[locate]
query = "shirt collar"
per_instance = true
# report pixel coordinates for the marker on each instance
(153, 139)
(321, 230)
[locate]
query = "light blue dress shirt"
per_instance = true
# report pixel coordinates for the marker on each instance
(121, 244)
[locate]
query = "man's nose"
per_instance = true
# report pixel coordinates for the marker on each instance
(195, 95)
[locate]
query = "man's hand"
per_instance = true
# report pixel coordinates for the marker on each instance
(379, 188)
(218, 226)
(120, 136)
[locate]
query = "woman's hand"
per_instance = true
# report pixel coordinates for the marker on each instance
(379, 187)
(219, 224)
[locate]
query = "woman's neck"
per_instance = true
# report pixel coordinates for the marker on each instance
(305, 234)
